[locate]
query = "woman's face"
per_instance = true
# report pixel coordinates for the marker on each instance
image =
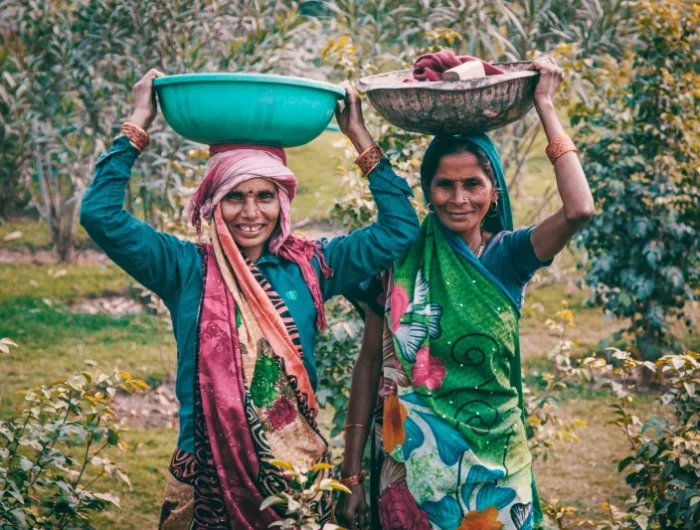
(251, 211)
(461, 192)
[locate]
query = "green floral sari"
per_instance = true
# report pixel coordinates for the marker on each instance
(450, 449)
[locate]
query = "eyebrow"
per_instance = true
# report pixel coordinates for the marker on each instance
(235, 193)
(462, 179)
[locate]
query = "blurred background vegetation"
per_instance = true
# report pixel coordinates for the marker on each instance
(630, 279)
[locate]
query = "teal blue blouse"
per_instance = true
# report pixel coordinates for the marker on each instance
(172, 268)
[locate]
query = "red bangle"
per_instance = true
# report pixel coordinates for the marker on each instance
(354, 480)
(136, 135)
(350, 425)
(369, 159)
(559, 147)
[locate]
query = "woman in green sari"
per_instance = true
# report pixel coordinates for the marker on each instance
(441, 349)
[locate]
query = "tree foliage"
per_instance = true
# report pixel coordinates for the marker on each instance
(639, 133)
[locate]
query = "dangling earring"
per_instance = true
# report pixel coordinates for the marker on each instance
(431, 207)
(493, 209)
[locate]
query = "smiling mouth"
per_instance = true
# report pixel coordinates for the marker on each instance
(250, 229)
(459, 214)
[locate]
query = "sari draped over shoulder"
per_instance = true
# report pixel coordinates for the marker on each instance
(254, 402)
(450, 448)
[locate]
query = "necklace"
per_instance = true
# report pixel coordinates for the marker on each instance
(480, 249)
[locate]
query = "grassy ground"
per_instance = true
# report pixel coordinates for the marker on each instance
(35, 310)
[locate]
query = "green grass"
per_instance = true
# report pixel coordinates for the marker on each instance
(55, 342)
(146, 463)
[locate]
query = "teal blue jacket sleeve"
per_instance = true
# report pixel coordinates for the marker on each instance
(370, 250)
(152, 258)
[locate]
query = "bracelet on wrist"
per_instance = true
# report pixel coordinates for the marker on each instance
(354, 480)
(369, 159)
(136, 135)
(559, 147)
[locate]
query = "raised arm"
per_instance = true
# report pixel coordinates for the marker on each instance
(150, 257)
(352, 509)
(551, 235)
(368, 251)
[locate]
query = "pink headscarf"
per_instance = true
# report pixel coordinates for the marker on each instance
(231, 165)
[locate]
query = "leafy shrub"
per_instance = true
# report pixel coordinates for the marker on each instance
(664, 465)
(51, 452)
(639, 132)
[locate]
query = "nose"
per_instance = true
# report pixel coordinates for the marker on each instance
(460, 196)
(250, 208)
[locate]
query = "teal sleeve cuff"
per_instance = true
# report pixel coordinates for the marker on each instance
(383, 178)
(122, 152)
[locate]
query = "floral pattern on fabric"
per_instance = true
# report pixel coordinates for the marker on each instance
(398, 510)
(428, 371)
(282, 413)
(265, 377)
(481, 520)
(451, 430)
(394, 416)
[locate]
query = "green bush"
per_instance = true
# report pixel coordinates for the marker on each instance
(51, 451)
(639, 134)
(664, 465)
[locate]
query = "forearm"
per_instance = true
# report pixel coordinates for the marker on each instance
(363, 395)
(552, 234)
(367, 251)
(571, 181)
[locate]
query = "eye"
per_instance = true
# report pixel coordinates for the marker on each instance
(266, 196)
(234, 196)
(473, 182)
(444, 184)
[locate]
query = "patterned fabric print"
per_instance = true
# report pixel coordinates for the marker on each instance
(279, 305)
(182, 466)
(451, 442)
(286, 317)
(176, 512)
(209, 510)
(281, 422)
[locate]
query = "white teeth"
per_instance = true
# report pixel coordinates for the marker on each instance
(250, 228)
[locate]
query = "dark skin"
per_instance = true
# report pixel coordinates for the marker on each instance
(351, 510)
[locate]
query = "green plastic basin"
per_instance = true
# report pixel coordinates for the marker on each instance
(259, 109)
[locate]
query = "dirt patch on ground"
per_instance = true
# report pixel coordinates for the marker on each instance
(153, 409)
(114, 305)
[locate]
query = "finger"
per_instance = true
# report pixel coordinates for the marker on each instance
(362, 517)
(338, 111)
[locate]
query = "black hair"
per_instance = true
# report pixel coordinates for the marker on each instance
(443, 146)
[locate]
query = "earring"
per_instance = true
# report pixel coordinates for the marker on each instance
(431, 207)
(493, 209)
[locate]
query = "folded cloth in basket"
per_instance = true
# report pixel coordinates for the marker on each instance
(431, 66)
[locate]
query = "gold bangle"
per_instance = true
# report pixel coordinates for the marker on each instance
(136, 135)
(369, 159)
(559, 147)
